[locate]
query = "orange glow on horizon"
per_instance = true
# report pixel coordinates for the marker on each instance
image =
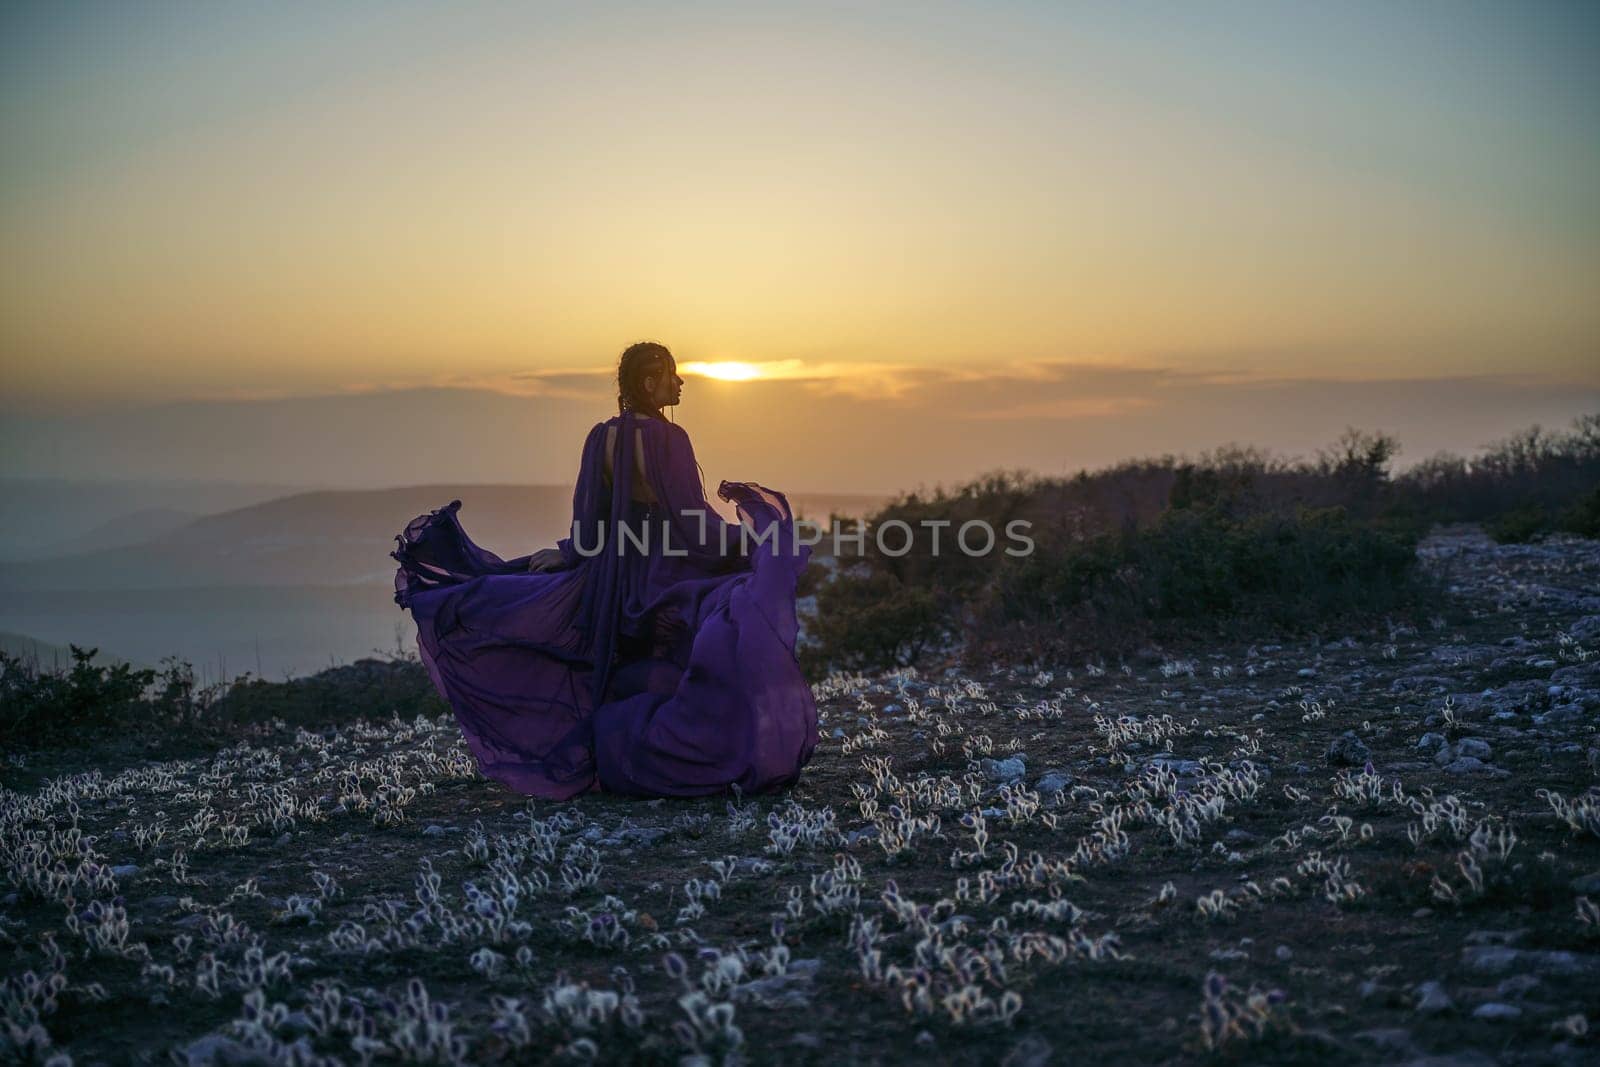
(725, 370)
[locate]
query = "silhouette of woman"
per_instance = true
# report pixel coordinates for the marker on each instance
(650, 653)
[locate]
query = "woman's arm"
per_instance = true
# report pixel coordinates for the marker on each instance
(547, 559)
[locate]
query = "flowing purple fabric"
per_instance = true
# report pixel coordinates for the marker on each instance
(660, 661)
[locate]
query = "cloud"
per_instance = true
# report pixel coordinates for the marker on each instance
(810, 426)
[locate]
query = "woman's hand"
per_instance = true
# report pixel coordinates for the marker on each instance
(546, 559)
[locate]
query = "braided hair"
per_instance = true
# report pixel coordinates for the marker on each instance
(638, 362)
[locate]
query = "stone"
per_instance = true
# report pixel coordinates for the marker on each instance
(1052, 781)
(1466, 765)
(1284, 953)
(1431, 741)
(1585, 884)
(1462, 1058)
(1496, 1011)
(1522, 696)
(1496, 937)
(1490, 959)
(1432, 999)
(1183, 768)
(1561, 715)
(298, 1022)
(125, 870)
(1348, 750)
(1003, 770)
(1031, 1051)
(776, 991)
(215, 1050)
(1473, 746)
(1517, 986)
(1549, 963)
(1412, 682)
(1577, 673)
(1388, 1039)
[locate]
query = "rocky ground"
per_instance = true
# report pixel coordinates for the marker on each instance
(1383, 848)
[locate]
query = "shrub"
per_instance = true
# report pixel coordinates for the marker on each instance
(368, 688)
(1524, 485)
(1519, 526)
(1232, 541)
(89, 702)
(811, 579)
(870, 621)
(1198, 569)
(1583, 517)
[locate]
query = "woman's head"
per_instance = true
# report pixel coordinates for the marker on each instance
(647, 378)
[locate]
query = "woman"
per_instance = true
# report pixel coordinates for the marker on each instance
(650, 653)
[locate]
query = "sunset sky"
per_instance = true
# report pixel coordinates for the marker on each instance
(1052, 220)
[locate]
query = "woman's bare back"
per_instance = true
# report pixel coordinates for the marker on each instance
(641, 481)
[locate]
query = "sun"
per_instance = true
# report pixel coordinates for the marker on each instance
(727, 370)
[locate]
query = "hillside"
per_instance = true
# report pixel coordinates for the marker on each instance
(327, 537)
(43, 517)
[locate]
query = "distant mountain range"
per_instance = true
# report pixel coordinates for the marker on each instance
(44, 517)
(130, 529)
(316, 538)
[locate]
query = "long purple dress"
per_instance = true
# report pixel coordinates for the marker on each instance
(659, 662)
